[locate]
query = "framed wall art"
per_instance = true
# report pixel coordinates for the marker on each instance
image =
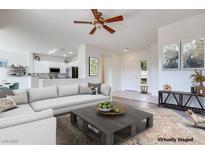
(93, 66)
(193, 54)
(171, 57)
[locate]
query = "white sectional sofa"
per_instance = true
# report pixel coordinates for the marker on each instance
(33, 122)
(63, 99)
(23, 125)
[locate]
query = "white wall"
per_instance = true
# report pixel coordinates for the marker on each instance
(21, 58)
(153, 70)
(116, 71)
(82, 61)
(130, 71)
(186, 29)
(108, 70)
(73, 61)
(112, 69)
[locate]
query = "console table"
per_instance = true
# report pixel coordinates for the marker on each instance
(181, 104)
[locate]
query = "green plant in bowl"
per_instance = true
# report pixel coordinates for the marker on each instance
(105, 106)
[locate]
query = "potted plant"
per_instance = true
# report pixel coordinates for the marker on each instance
(197, 80)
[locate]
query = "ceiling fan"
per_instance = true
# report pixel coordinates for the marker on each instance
(99, 21)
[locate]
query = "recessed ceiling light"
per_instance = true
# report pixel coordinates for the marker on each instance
(126, 50)
(70, 52)
(51, 51)
(54, 49)
(64, 55)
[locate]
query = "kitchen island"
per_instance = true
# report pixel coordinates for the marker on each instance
(37, 82)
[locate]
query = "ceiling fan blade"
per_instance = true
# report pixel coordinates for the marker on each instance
(93, 30)
(95, 13)
(114, 19)
(82, 22)
(109, 29)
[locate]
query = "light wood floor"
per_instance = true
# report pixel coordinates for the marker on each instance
(140, 100)
(134, 95)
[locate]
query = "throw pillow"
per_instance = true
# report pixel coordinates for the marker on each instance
(105, 89)
(7, 104)
(4, 91)
(95, 86)
(84, 89)
(20, 98)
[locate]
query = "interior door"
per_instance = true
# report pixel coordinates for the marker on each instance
(129, 75)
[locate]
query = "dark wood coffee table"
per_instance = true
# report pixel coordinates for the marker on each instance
(108, 125)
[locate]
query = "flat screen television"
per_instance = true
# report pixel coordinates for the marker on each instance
(54, 70)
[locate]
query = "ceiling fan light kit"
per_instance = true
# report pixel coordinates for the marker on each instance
(99, 22)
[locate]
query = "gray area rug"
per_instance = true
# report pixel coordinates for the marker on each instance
(169, 128)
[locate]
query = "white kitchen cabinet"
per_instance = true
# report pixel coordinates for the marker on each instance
(44, 66)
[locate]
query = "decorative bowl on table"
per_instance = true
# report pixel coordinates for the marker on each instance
(108, 108)
(105, 106)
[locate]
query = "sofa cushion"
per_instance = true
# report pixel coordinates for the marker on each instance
(68, 90)
(20, 98)
(84, 89)
(21, 110)
(105, 89)
(7, 104)
(66, 101)
(42, 93)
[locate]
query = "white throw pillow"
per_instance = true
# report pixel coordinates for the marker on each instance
(105, 89)
(7, 104)
(84, 89)
(20, 98)
(68, 90)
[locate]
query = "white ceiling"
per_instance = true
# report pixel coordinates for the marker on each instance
(42, 30)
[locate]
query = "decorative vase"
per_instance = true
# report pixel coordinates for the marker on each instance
(201, 89)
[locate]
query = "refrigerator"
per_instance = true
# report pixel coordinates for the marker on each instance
(72, 72)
